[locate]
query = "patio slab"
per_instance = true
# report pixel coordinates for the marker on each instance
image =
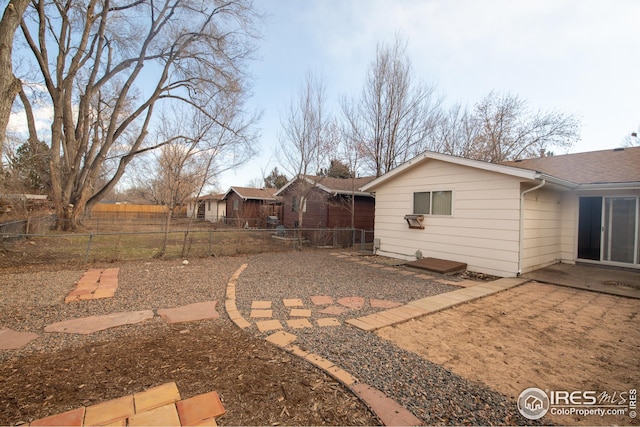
(625, 283)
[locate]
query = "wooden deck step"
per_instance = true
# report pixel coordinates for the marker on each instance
(437, 265)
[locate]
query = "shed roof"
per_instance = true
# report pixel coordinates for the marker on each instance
(248, 193)
(334, 185)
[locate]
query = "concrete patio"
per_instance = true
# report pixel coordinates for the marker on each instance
(613, 281)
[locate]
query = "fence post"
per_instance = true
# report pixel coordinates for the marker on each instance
(362, 238)
(86, 255)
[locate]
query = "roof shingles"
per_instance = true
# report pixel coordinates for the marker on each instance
(595, 167)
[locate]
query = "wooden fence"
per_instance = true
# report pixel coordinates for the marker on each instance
(133, 211)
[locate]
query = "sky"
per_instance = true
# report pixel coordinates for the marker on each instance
(579, 57)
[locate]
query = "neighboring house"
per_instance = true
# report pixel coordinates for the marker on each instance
(326, 202)
(210, 208)
(250, 207)
(510, 218)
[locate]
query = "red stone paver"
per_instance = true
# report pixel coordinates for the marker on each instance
(261, 314)
(156, 397)
(157, 406)
(89, 325)
(189, 313)
(355, 303)
(390, 412)
(334, 310)
(200, 408)
(106, 412)
(281, 338)
(268, 325)
(69, 418)
(11, 340)
(95, 284)
(328, 321)
(300, 312)
(321, 300)
(382, 303)
(261, 304)
(299, 323)
(293, 302)
(166, 415)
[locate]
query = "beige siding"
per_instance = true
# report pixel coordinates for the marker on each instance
(569, 228)
(482, 230)
(542, 235)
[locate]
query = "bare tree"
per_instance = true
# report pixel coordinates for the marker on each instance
(10, 85)
(304, 145)
(500, 128)
(507, 129)
(632, 140)
(109, 65)
(394, 115)
(189, 158)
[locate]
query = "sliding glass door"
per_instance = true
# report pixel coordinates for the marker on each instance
(608, 229)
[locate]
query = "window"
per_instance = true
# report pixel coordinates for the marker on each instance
(432, 202)
(235, 205)
(295, 204)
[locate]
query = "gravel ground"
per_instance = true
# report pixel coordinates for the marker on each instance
(433, 393)
(33, 299)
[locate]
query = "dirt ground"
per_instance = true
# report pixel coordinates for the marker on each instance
(536, 335)
(258, 383)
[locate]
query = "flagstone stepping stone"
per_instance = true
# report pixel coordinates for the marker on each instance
(334, 310)
(89, 325)
(382, 303)
(268, 325)
(321, 300)
(355, 303)
(328, 321)
(292, 302)
(261, 304)
(299, 323)
(261, 313)
(189, 313)
(12, 340)
(95, 284)
(300, 312)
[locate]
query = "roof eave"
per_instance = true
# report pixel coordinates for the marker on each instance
(632, 185)
(477, 164)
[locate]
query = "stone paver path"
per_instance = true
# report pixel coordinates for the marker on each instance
(95, 284)
(189, 313)
(157, 406)
(89, 325)
(433, 304)
(11, 340)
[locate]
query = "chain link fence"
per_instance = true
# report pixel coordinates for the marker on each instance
(33, 241)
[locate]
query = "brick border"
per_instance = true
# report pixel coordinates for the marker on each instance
(388, 411)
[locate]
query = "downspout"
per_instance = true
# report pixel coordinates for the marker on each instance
(521, 231)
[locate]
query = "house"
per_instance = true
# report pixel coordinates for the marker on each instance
(510, 218)
(326, 202)
(250, 207)
(210, 208)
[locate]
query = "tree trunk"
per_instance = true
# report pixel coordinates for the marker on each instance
(9, 84)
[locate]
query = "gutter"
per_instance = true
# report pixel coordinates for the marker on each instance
(521, 231)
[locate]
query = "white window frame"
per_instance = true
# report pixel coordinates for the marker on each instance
(430, 213)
